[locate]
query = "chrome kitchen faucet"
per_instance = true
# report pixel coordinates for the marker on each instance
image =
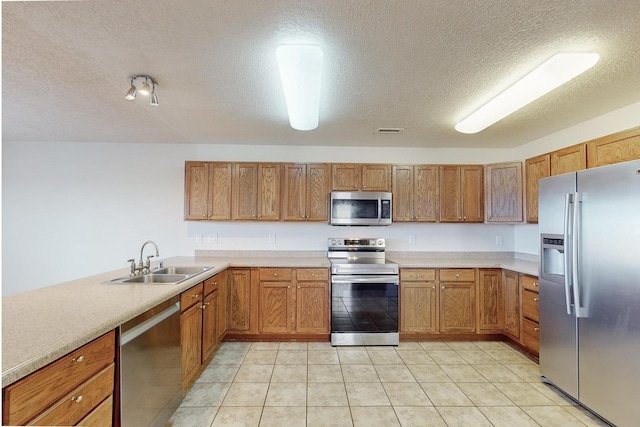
(146, 267)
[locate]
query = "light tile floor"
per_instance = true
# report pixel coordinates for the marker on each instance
(415, 384)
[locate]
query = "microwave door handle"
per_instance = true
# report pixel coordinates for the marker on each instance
(379, 208)
(568, 202)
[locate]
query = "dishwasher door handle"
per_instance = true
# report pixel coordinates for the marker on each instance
(143, 327)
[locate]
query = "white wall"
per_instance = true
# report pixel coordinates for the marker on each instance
(71, 210)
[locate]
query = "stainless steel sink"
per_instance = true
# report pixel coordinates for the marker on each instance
(191, 271)
(166, 275)
(158, 278)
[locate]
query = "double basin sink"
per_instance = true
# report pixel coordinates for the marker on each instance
(165, 275)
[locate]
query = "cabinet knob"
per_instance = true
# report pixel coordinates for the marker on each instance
(298, 286)
(536, 299)
(289, 287)
(78, 359)
(536, 329)
(459, 218)
(457, 275)
(215, 283)
(204, 215)
(464, 218)
(275, 274)
(443, 287)
(535, 283)
(77, 399)
(194, 296)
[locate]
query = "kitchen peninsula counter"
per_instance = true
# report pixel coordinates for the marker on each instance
(42, 325)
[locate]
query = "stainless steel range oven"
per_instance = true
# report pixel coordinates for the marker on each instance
(364, 293)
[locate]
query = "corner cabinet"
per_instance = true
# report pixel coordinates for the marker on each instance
(415, 193)
(461, 193)
(207, 191)
(77, 389)
(504, 192)
(305, 193)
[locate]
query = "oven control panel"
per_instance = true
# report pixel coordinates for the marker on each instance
(335, 243)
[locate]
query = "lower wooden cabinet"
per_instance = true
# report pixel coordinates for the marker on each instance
(457, 306)
(293, 300)
(530, 313)
(490, 301)
(418, 300)
(511, 286)
(239, 300)
(77, 386)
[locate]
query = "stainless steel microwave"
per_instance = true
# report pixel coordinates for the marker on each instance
(360, 208)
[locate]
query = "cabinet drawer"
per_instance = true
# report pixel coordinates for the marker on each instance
(531, 334)
(530, 308)
(309, 274)
(276, 274)
(28, 397)
(212, 283)
(79, 402)
(458, 275)
(102, 416)
(418, 274)
(190, 297)
(530, 283)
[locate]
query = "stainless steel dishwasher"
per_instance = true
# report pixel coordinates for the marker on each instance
(150, 368)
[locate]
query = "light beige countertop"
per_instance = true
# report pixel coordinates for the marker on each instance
(43, 325)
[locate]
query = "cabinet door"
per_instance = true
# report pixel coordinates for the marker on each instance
(450, 208)
(570, 159)
(536, 168)
(220, 189)
(221, 324)
(425, 193)
(268, 191)
(238, 299)
(472, 193)
(511, 303)
(196, 190)
(490, 301)
(312, 307)
(191, 343)
(209, 327)
(504, 192)
(402, 185)
(293, 194)
(376, 178)
(245, 186)
(317, 200)
(457, 307)
(616, 148)
(275, 307)
(418, 307)
(345, 177)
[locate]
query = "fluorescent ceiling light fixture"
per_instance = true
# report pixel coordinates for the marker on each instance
(300, 71)
(556, 71)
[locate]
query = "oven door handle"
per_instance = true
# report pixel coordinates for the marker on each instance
(391, 279)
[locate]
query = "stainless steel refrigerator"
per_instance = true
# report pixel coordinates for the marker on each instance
(589, 225)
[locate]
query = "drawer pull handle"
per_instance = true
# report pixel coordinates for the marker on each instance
(195, 296)
(77, 399)
(536, 299)
(443, 287)
(78, 359)
(535, 284)
(536, 329)
(275, 274)
(457, 275)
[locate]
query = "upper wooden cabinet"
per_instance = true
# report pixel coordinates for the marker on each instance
(504, 192)
(207, 191)
(535, 168)
(570, 159)
(305, 194)
(256, 191)
(461, 193)
(360, 177)
(415, 193)
(616, 148)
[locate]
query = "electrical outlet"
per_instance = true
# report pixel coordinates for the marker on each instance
(198, 238)
(212, 238)
(272, 238)
(412, 239)
(498, 240)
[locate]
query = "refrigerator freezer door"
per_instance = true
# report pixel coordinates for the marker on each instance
(609, 269)
(558, 330)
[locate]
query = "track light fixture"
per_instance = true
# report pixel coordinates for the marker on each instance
(146, 89)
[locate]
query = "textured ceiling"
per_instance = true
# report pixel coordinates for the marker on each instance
(418, 64)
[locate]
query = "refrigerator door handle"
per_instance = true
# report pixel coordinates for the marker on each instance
(575, 242)
(568, 202)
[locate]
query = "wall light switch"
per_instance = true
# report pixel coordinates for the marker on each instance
(198, 238)
(498, 240)
(212, 238)
(272, 238)
(412, 239)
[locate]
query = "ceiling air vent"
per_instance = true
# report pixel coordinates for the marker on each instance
(389, 131)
